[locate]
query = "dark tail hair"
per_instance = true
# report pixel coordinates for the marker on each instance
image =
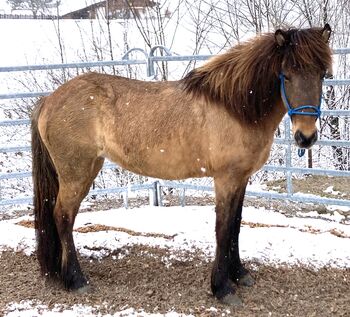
(45, 185)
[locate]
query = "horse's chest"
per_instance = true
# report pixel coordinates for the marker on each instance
(245, 152)
(257, 150)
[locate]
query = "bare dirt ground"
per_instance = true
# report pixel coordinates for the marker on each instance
(145, 282)
(317, 185)
(142, 280)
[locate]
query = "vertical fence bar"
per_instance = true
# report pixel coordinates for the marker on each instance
(153, 195)
(150, 67)
(159, 194)
(288, 156)
(183, 198)
(125, 199)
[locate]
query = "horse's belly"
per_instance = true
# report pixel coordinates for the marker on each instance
(160, 163)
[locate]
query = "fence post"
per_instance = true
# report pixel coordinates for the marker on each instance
(153, 195)
(126, 57)
(288, 157)
(150, 67)
(150, 62)
(159, 194)
(125, 198)
(183, 197)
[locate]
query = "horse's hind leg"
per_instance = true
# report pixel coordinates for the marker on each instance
(74, 184)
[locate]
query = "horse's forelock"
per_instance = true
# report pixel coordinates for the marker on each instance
(245, 79)
(307, 50)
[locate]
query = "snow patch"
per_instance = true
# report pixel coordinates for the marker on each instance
(266, 236)
(36, 309)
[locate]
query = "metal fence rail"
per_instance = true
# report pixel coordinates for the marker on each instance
(150, 59)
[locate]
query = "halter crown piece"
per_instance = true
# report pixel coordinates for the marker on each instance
(298, 110)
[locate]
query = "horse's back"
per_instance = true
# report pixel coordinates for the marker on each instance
(91, 102)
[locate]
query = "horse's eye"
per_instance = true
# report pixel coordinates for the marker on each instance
(286, 78)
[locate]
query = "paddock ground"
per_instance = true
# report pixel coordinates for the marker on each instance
(144, 282)
(139, 279)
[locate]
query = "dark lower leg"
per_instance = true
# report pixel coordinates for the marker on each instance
(238, 273)
(220, 283)
(71, 274)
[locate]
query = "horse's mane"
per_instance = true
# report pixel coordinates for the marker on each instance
(245, 79)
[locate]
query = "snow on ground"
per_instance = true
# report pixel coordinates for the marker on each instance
(33, 309)
(267, 237)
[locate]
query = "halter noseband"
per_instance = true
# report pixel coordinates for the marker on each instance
(298, 110)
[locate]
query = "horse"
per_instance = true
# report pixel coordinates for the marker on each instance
(217, 121)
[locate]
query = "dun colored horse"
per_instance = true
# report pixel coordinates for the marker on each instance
(218, 121)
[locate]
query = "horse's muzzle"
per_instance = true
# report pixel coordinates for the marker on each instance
(304, 141)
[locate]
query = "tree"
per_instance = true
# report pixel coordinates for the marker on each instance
(152, 27)
(35, 6)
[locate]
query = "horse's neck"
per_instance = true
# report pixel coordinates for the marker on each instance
(273, 118)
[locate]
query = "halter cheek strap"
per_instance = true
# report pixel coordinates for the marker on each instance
(298, 110)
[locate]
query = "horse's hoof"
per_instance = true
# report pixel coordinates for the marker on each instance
(246, 280)
(231, 300)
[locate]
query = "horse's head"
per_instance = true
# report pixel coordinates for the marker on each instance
(306, 61)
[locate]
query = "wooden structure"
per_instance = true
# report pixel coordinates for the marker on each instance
(114, 9)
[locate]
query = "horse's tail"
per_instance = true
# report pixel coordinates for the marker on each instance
(45, 185)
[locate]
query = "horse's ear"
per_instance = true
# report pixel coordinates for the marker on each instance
(281, 38)
(326, 32)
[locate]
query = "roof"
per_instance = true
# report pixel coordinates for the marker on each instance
(76, 5)
(65, 6)
(68, 6)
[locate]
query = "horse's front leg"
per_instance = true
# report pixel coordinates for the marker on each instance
(227, 265)
(237, 272)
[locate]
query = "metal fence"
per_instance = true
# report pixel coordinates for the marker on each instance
(149, 61)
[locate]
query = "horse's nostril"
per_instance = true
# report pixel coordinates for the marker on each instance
(304, 141)
(300, 137)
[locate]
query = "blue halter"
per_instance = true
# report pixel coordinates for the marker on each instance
(298, 110)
